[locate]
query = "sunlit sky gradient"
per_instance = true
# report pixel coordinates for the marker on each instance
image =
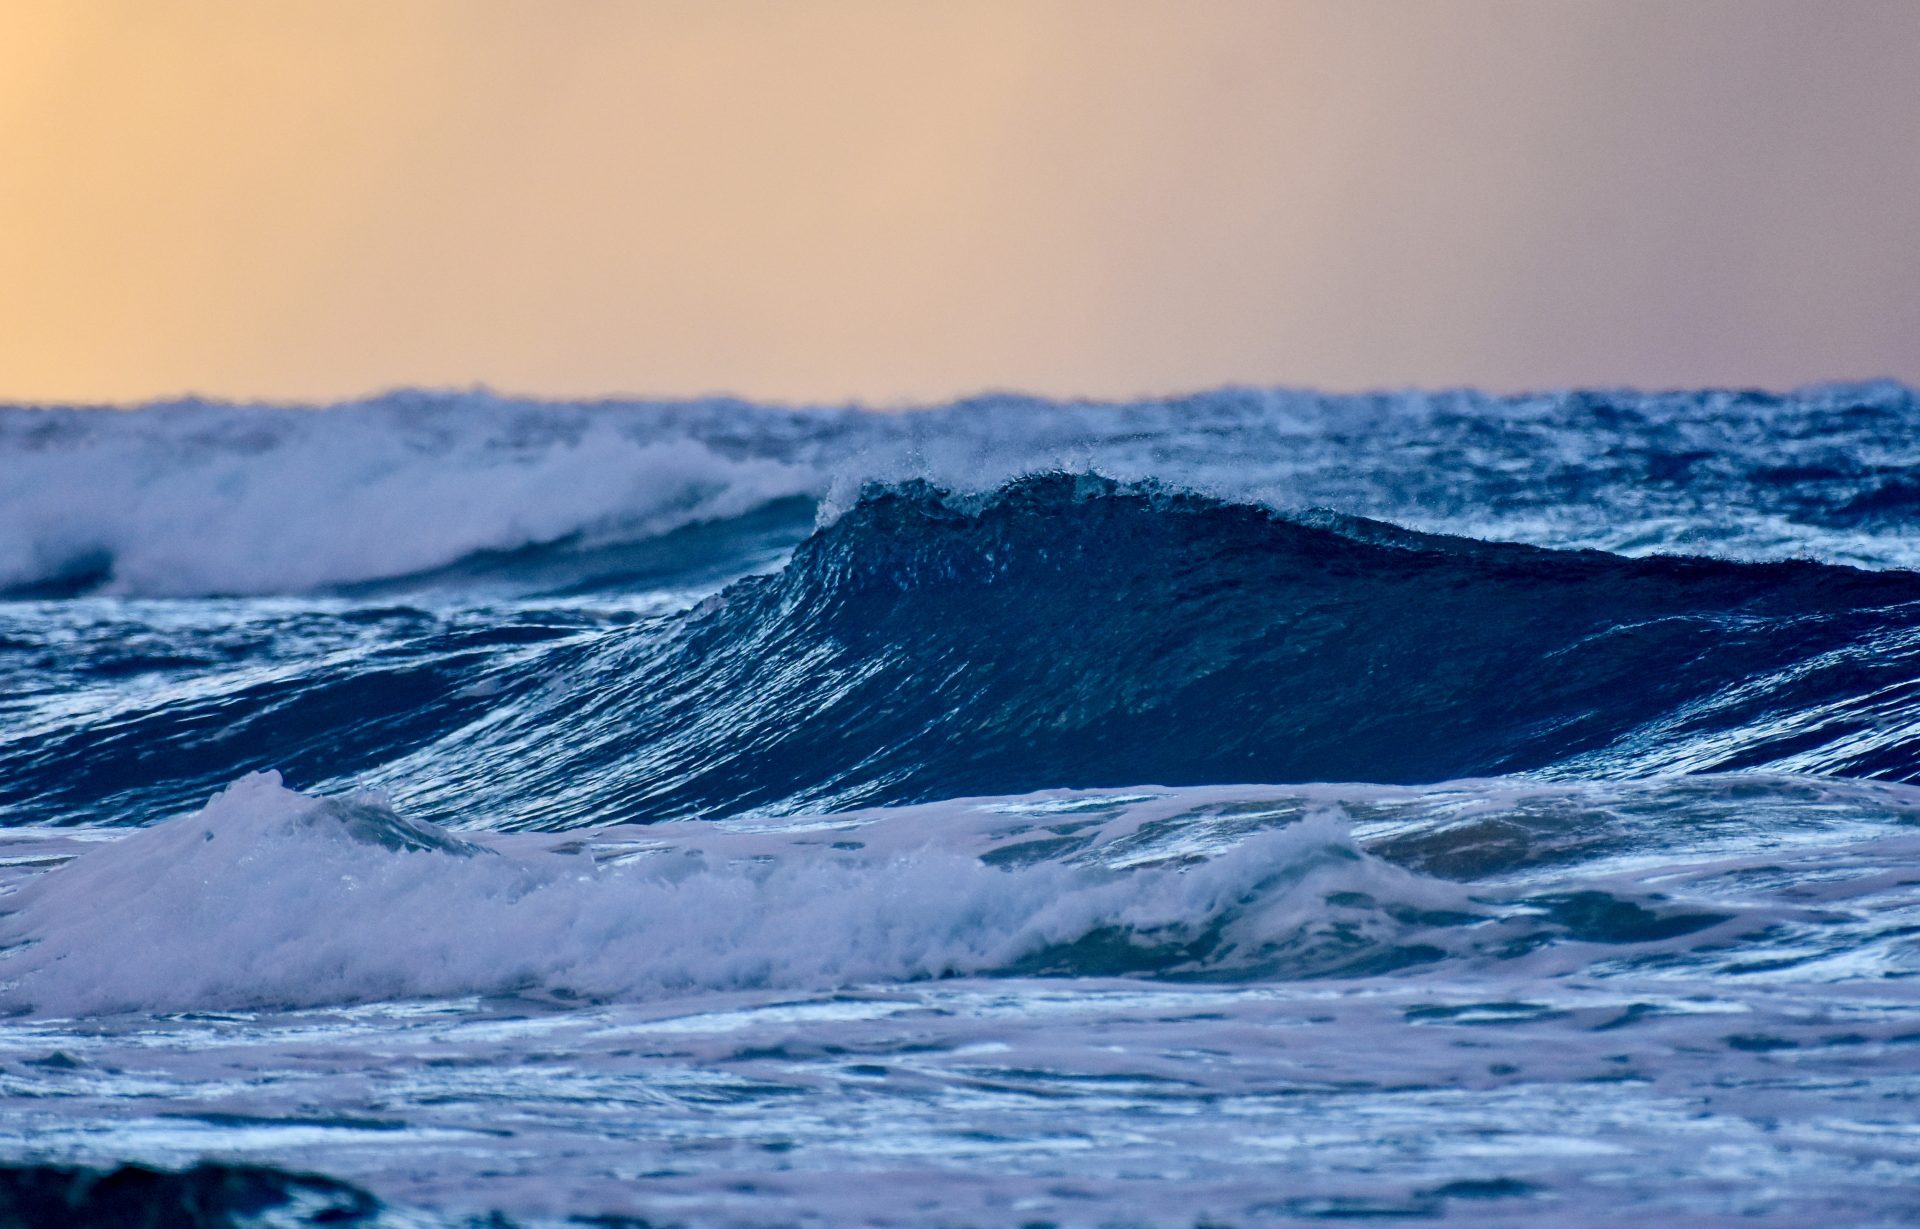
(900, 200)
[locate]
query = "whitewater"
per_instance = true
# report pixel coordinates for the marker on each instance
(1256, 807)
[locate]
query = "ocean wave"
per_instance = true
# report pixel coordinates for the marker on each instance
(1070, 631)
(268, 899)
(195, 498)
(276, 900)
(1061, 631)
(716, 813)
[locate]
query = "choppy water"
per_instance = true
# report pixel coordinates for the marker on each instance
(1250, 809)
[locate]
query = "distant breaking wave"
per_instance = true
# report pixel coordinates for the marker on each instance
(196, 498)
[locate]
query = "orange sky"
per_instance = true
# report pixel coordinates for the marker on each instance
(891, 200)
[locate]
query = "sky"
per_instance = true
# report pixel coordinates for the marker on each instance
(897, 202)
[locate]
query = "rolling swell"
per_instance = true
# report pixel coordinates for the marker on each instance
(1072, 631)
(1060, 631)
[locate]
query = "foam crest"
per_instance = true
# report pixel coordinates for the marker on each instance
(207, 498)
(267, 898)
(197, 500)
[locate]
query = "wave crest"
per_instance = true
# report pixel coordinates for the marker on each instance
(1073, 631)
(269, 899)
(274, 899)
(1061, 631)
(199, 498)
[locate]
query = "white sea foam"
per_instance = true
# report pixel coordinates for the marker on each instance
(196, 498)
(193, 500)
(744, 1085)
(270, 898)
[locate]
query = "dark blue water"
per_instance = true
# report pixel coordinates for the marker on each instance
(1251, 808)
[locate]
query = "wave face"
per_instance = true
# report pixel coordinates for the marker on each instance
(1070, 632)
(1248, 809)
(1062, 631)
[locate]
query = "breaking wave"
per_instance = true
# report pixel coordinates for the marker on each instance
(1586, 727)
(1062, 631)
(195, 498)
(268, 899)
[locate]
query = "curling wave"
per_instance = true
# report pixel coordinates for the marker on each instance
(1070, 631)
(1061, 631)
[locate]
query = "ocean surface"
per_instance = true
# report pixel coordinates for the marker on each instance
(1247, 809)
